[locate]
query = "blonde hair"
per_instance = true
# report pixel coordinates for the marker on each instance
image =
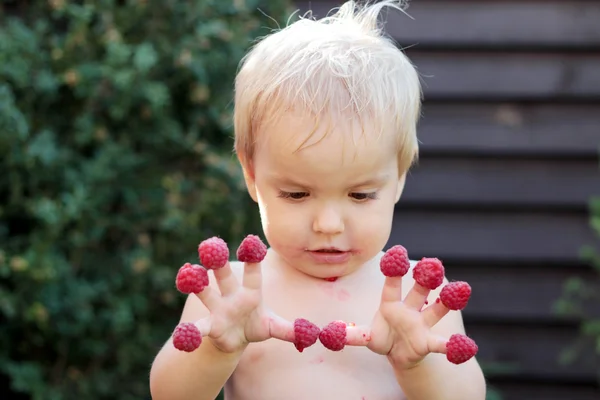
(324, 67)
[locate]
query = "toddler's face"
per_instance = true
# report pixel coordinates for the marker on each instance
(327, 208)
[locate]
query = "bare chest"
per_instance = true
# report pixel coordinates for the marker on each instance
(276, 370)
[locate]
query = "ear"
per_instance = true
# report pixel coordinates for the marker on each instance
(248, 171)
(400, 188)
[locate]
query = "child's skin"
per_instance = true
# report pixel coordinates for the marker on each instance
(335, 187)
(290, 283)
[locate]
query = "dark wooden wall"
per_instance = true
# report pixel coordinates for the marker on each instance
(510, 139)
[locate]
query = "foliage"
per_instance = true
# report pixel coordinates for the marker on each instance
(580, 299)
(116, 160)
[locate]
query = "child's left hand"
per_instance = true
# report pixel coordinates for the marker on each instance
(402, 328)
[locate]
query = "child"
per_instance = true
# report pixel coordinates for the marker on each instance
(325, 130)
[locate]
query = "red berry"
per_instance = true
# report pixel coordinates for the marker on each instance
(455, 295)
(429, 273)
(333, 335)
(191, 278)
(251, 250)
(395, 262)
(213, 253)
(186, 337)
(305, 334)
(460, 348)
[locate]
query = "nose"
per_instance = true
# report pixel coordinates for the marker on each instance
(328, 221)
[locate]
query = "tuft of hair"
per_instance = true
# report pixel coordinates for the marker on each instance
(340, 66)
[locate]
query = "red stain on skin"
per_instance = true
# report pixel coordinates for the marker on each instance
(331, 279)
(437, 300)
(329, 289)
(256, 356)
(317, 360)
(343, 295)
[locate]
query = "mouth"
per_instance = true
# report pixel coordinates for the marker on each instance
(328, 251)
(330, 255)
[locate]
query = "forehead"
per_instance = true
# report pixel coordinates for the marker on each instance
(330, 146)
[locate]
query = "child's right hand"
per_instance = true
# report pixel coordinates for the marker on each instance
(237, 314)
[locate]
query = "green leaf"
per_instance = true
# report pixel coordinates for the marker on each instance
(145, 57)
(43, 147)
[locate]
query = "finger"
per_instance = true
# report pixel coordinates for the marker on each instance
(252, 276)
(436, 344)
(204, 325)
(187, 336)
(280, 328)
(416, 297)
(434, 313)
(392, 290)
(358, 335)
(226, 280)
(209, 297)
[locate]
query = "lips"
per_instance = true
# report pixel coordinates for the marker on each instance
(329, 250)
(330, 255)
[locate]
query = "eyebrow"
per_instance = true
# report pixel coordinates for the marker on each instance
(374, 181)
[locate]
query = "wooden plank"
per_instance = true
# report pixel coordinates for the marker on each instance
(550, 130)
(508, 76)
(505, 182)
(473, 236)
(546, 391)
(531, 352)
(527, 23)
(519, 293)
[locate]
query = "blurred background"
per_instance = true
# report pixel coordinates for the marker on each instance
(116, 160)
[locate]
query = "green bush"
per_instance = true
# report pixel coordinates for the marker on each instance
(580, 300)
(116, 160)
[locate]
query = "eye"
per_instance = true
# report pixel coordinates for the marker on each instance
(364, 196)
(292, 195)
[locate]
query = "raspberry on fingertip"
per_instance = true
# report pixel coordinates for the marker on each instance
(429, 273)
(191, 278)
(305, 334)
(187, 337)
(395, 262)
(213, 253)
(333, 336)
(251, 250)
(460, 348)
(456, 295)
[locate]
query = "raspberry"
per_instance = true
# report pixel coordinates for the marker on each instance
(305, 334)
(460, 348)
(186, 337)
(251, 250)
(429, 273)
(455, 295)
(191, 278)
(333, 335)
(395, 262)
(213, 253)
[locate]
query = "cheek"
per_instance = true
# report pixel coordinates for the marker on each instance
(372, 226)
(282, 227)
